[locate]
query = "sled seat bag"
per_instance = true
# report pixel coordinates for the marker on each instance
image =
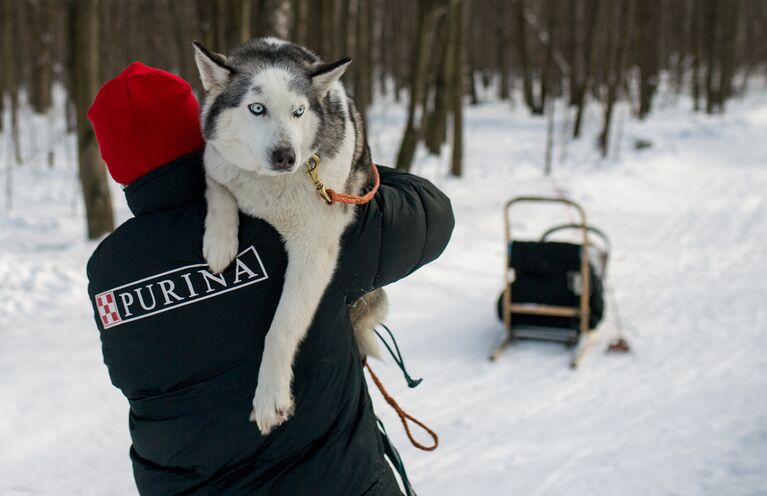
(548, 273)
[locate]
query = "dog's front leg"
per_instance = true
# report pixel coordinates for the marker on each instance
(219, 243)
(310, 268)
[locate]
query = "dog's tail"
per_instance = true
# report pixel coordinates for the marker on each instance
(367, 342)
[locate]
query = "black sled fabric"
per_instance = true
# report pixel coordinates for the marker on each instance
(186, 355)
(543, 275)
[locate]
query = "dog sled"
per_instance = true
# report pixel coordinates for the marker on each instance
(553, 290)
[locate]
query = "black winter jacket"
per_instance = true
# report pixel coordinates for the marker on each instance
(184, 346)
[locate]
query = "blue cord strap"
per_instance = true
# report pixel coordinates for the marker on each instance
(397, 356)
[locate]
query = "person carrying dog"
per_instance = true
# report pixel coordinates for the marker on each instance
(184, 344)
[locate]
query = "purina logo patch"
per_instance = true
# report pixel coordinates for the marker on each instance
(175, 289)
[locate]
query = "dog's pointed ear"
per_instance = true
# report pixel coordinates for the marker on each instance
(214, 72)
(323, 76)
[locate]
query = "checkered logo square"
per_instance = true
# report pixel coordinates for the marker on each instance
(105, 302)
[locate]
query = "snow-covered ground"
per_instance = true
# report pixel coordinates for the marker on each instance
(684, 414)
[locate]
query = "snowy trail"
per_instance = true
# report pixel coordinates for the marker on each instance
(685, 414)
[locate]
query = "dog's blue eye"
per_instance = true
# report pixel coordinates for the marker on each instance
(299, 111)
(257, 109)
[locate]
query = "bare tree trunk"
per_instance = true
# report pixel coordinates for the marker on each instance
(42, 70)
(98, 205)
(527, 83)
(8, 84)
(10, 35)
(347, 34)
(613, 25)
(426, 20)
(588, 62)
(180, 14)
(315, 38)
(205, 15)
(433, 83)
(504, 57)
(370, 50)
(547, 74)
(70, 113)
(617, 60)
(329, 48)
(3, 62)
(434, 122)
(264, 19)
(6, 40)
(648, 54)
(402, 49)
(572, 48)
(244, 21)
(362, 71)
(220, 13)
(457, 20)
(728, 52)
(695, 33)
(710, 33)
(473, 56)
(386, 45)
(300, 21)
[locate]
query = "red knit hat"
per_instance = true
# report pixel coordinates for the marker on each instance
(144, 118)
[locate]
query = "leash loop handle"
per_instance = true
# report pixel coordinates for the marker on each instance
(404, 416)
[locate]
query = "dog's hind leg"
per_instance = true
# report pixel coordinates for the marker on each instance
(367, 312)
(310, 268)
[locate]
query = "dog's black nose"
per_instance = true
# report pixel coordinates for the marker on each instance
(283, 158)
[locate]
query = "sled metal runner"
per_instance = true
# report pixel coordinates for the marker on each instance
(579, 336)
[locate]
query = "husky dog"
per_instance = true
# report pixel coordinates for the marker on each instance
(269, 107)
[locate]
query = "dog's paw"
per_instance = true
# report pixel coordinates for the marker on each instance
(219, 249)
(271, 409)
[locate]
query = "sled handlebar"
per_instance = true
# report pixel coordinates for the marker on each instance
(593, 230)
(548, 199)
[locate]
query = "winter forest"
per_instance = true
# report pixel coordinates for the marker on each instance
(432, 56)
(651, 114)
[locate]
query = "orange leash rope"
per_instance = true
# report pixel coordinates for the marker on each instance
(404, 416)
(330, 196)
(354, 199)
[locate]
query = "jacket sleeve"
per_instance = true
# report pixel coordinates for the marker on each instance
(407, 225)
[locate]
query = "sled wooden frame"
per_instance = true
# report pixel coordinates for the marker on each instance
(581, 311)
